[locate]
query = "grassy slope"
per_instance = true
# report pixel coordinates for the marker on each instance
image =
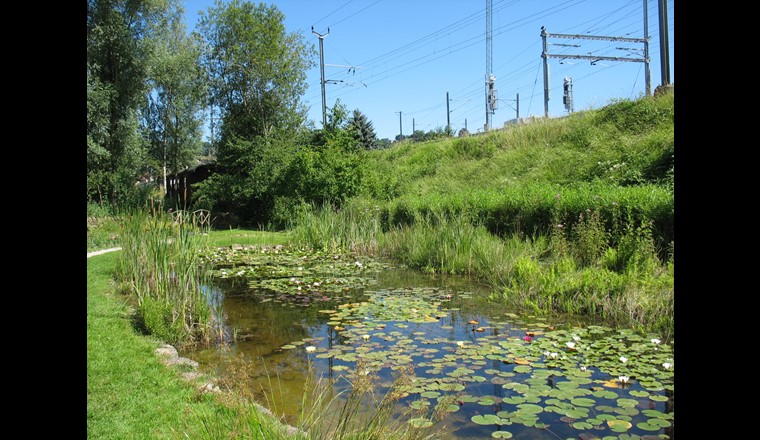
(621, 144)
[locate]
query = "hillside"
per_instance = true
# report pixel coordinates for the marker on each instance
(616, 158)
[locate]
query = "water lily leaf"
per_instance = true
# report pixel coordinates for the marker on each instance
(530, 408)
(619, 425)
(583, 401)
(659, 422)
(659, 398)
(577, 413)
(582, 425)
(501, 434)
(420, 422)
(487, 419)
(648, 426)
(288, 346)
(420, 404)
(627, 403)
(605, 394)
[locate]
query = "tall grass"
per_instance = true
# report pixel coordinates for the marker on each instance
(583, 266)
(359, 412)
(161, 266)
(354, 228)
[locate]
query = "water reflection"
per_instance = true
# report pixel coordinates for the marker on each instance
(468, 348)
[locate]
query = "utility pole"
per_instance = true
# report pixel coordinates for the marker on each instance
(647, 76)
(322, 72)
(448, 116)
(400, 130)
(664, 45)
(490, 92)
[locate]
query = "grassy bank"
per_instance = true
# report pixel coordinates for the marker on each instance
(132, 395)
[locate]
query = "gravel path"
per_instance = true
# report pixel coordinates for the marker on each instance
(102, 251)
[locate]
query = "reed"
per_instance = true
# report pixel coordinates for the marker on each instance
(355, 228)
(161, 267)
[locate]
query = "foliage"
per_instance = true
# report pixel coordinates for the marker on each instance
(248, 179)
(257, 70)
(119, 41)
(173, 114)
(257, 73)
(361, 130)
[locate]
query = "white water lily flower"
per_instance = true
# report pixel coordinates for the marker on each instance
(359, 264)
(300, 268)
(656, 341)
(623, 359)
(667, 365)
(576, 338)
(310, 348)
(623, 379)
(365, 337)
(583, 368)
(460, 343)
(552, 355)
(316, 284)
(570, 345)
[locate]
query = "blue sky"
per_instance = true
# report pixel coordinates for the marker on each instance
(389, 56)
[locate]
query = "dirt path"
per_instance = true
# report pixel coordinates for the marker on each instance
(102, 251)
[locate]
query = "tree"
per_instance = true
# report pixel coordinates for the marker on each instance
(117, 66)
(361, 129)
(257, 74)
(257, 71)
(173, 116)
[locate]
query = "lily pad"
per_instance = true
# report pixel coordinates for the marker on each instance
(420, 422)
(487, 419)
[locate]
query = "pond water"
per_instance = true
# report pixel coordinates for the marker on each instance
(305, 326)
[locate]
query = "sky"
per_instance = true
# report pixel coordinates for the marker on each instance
(396, 60)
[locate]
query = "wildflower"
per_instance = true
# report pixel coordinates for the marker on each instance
(310, 348)
(623, 379)
(570, 345)
(655, 341)
(667, 365)
(623, 359)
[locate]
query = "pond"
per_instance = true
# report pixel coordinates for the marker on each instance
(446, 356)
